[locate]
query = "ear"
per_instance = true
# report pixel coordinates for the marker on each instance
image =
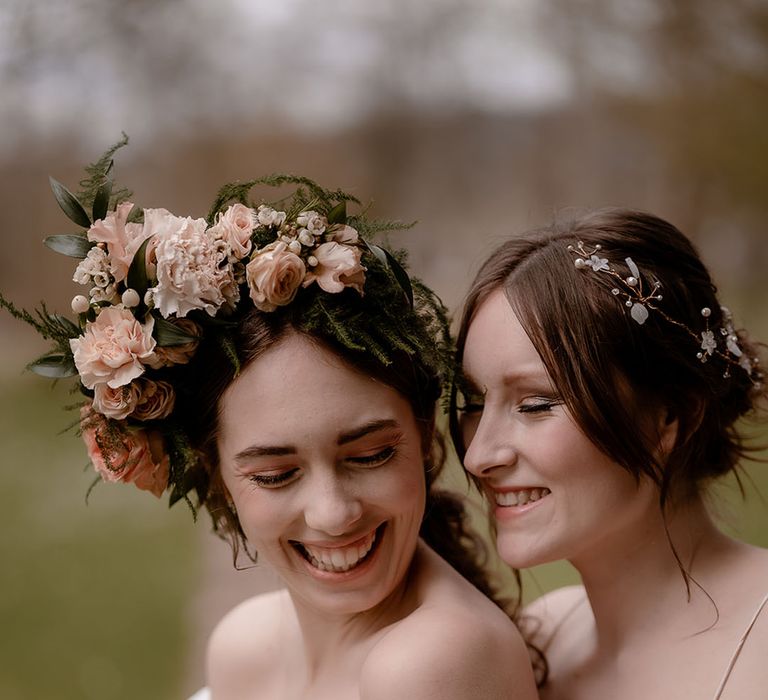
(667, 429)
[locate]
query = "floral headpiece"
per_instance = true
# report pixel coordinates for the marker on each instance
(639, 297)
(157, 284)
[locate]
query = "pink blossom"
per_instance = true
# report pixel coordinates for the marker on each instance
(274, 276)
(192, 267)
(129, 456)
(235, 227)
(115, 403)
(113, 349)
(338, 266)
(343, 234)
(123, 239)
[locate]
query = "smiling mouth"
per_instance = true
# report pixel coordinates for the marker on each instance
(512, 499)
(339, 560)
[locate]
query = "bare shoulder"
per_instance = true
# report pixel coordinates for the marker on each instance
(456, 644)
(546, 615)
(247, 637)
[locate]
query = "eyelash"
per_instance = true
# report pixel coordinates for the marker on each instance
(541, 407)
(378, 459)
(277, 480)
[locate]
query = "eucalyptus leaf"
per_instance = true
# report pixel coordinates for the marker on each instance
(167, 333)
(56, 366)
(338, 215)
(379, 253)
(101, 200)
(400, 275)
(72, 244)
(69, 204)
(137, 273)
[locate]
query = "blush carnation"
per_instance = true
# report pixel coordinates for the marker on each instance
(113, 349)
(129, 456)
(338, 266)
(192, 269)
(274, 276)
(235, 227)
(123, 240)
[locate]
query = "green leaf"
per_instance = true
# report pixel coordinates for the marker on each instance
(101, 200)
(167, 333)
(378, 252)
(72, 244)
(72, 329)
(137, 273)
(54, 366)
(69, 204)
(338, 215)
(400, 275)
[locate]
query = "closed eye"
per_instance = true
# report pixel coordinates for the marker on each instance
(271, 481)
(373, 460)
(539, 406)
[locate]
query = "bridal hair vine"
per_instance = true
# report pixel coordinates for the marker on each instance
(641, 296)
(157, 284)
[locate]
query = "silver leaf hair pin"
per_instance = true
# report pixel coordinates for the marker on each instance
(631, 288)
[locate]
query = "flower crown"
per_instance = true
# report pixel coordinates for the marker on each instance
(639, 299)
(158, 283)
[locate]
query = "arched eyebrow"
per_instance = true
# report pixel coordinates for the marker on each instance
(264, 451)
(370, 427)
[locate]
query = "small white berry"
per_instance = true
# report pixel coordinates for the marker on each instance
(130, 298)
(80, 304)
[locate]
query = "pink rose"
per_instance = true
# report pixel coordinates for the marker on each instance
(191, 265)
(130, 456)
(167, 355)
(114, 348)
(338, 266)
(235, 227)
(115, 403)
(123, 239)
(155, 401)
(274, 276)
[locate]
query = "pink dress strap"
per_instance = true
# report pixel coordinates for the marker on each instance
(739, 647)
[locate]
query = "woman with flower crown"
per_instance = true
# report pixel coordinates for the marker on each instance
(271, 365)
(602, 387)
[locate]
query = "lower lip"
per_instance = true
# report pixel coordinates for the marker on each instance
(353, 573)
(512, 512)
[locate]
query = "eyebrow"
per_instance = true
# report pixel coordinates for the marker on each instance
(343, 439)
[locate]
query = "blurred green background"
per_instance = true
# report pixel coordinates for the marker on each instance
(477, 120)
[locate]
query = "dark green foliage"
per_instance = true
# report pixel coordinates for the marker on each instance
(73, 245)
(92, 185)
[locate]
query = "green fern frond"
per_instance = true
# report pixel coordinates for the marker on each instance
(97, 172)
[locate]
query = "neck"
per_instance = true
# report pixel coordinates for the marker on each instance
(636, 589)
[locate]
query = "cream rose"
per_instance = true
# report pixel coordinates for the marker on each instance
(343, 234)
(235, 227)
(123, 240)
(338, 266)
(114, 348)
(129, 456)
(192, 267)
(274, 275)
(115, 403)
(155, 400)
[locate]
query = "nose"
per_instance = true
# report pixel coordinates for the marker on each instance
(490, 446)
(332, 506)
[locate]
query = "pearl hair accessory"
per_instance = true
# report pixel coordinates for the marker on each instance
(631, 288)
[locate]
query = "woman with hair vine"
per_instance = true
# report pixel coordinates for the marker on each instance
(272, 365)
(602, 394)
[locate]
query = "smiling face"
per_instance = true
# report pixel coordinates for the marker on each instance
(325, 469)
(554, 494)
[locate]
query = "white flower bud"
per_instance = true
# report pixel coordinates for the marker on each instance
(312, 260)
(130, 298)
(295, 247)
(80, 304)
(149, 297)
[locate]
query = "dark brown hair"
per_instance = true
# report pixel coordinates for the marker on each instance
(444, 525)
(608, 368)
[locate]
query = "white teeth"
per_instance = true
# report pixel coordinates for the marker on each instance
(520, 497)
(339, 559)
